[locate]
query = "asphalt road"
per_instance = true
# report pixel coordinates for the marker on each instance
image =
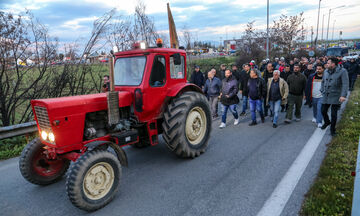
(235, 176)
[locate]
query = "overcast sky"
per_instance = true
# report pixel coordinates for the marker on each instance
(206, 19)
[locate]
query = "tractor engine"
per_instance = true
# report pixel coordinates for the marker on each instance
(96, 123)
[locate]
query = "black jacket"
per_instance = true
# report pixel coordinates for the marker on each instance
(197, 78)
(236, 74)
(267, 75)
(260, 86)
(285, 75)
(308, 72)
(244, 77)
(352, 67)
(220, 74)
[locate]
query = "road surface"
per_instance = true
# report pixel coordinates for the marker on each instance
(235, 176)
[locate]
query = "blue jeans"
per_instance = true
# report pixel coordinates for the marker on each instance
(255, 105)
(225, 109)
(316, 104)
(245, 101)
(275, 108)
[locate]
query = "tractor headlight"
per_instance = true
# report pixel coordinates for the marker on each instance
(44, 135)
(51, 137)
(142, 45)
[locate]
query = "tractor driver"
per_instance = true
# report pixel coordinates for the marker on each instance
(157, 77)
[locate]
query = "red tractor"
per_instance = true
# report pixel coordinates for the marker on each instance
(152, 97)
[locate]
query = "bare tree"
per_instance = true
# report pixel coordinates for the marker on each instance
(288, 31)
(144, 24)
(26, 51)
(80, 76)
(120, 33)
(252, 45)
(186, 37)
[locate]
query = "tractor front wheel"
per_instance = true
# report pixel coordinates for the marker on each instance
(187, 124)
(93, 180)
(37, 168)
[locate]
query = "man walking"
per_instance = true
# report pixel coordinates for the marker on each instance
(229, 98)
(297, 85)
(268, 73)
(221, 74)
(285, 74)
(244, 78)
(257, 91)
(334, 87)
(212, 91)
(277, 93)
(353, 70)
(197, 77)
(313, 94)
(235, 72)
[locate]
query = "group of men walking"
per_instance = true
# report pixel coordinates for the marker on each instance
(278, 88)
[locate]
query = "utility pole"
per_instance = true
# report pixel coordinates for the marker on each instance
(332, 37)
(327, 34)
(267, 32)
(317, 28)
(322, 29)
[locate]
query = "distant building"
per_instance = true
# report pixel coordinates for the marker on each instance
(236, 44)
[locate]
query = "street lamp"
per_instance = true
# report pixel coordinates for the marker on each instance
(322, 29)
(267, 32)
(327, 34)
(317, 27)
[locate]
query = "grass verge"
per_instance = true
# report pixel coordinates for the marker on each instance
(12, 147)
(332, 191)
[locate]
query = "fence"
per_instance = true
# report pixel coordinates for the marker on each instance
(18, 130)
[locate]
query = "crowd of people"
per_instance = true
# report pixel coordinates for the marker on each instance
(280, 86)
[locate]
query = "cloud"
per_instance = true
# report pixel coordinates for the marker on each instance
(75, 23)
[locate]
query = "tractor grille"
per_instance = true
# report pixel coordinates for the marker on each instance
(42, 118)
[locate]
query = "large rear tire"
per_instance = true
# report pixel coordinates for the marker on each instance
(93, 180)
(37, 168)
(187, 124)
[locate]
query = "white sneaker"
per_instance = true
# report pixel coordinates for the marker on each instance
(313, 120)
(222, 125)
(319, 125)
(236, 122)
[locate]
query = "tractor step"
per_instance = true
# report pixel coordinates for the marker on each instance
(126, 137)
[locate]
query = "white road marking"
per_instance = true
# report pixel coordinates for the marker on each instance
(275, 204)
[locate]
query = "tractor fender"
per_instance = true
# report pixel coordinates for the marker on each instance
(181, 88)
(120, 153)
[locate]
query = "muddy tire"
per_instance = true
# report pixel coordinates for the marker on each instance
(36, 168)
(187, 124)
(93, 180)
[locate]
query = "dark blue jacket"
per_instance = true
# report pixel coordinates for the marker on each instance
(212, 87)
(197, 78)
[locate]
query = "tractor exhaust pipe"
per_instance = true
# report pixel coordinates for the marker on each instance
(112, 97)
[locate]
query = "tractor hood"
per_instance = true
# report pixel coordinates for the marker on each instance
(80, 104)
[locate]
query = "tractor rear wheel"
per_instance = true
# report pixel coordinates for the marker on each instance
(37, 168)
(93, 180)
(187, 124)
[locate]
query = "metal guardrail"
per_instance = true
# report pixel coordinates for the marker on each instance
(18, 130)
(355, 211)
